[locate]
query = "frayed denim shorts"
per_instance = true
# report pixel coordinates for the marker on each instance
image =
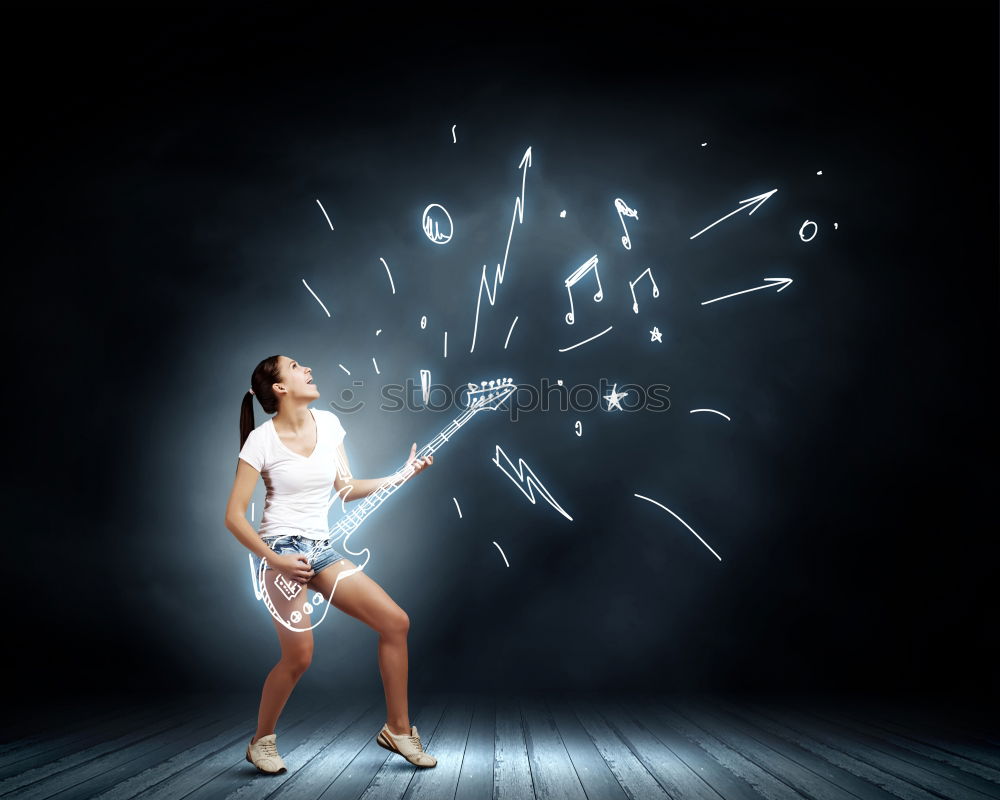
(319, 552)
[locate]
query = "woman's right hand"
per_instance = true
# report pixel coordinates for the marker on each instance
(295, 567)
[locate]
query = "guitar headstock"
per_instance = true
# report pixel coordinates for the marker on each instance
(489, 395)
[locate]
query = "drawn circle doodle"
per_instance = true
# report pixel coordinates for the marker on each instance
(815, 229)
(423, 322)
(431, 223)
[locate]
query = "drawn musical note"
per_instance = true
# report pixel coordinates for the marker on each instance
(624, 211)
(631, 286)
(576, 277)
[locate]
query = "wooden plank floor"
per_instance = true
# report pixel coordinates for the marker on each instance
(589, 747)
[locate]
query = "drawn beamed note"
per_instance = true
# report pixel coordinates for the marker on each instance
(576, 277)
(631, 286)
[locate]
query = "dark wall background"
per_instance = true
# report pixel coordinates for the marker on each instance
(161, 209)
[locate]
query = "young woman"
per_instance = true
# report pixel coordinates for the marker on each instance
(300, 454)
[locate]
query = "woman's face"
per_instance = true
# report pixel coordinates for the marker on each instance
(297, 379)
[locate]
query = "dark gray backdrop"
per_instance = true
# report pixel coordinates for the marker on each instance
(162, 216)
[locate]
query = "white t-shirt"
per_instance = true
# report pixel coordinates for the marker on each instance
(298, 487)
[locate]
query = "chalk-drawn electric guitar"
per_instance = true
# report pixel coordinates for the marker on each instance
(489, 395)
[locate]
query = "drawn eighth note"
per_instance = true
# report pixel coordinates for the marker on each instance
(572, 280)
(631, 286)
(624, 211)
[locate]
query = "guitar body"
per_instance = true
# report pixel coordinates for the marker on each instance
(291, 603)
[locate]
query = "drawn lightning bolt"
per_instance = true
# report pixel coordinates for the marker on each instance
(532, 482)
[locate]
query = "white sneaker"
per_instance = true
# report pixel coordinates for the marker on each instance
(263, 754)
(407, 745)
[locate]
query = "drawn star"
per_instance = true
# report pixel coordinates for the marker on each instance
(655, 335)
(614, 397)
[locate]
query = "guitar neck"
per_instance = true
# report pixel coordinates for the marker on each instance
(350, 523)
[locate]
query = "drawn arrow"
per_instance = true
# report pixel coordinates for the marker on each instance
(498, 275)
(784, 282)
(757, 202)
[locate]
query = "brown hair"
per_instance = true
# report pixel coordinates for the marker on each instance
(264, 376)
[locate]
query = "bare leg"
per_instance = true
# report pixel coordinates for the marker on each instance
(392, 664)
(296, 655)
(362, 598)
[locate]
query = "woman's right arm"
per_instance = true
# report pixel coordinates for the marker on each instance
(296, 568)
(236, 510)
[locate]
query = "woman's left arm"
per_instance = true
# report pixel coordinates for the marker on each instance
(356, 488)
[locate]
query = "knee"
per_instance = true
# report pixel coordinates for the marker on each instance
(397, 624)
(298, 662)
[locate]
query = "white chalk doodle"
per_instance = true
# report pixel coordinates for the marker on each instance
(802, 229)
(631, 286)
(432, 224)
(655, 335)
(314, 295)
(696, 410)
(509, 332)
(576, 276)
(782, 283)
(614, 398)
(579, 428)
(756, 202)
(531, 481)
(376, 366)
(423, 322)
(454, 139)
(391, 282)
(624, 211)
(458, 507)
(324, 213)
(446, 344)
(498, 275)
(503, 554)
(641, 497)
(344, 368)
(425, 383)
(589, 339)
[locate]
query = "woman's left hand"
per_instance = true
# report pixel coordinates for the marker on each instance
(417, 463)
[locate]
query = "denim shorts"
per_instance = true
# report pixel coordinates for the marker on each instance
(319, 552)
